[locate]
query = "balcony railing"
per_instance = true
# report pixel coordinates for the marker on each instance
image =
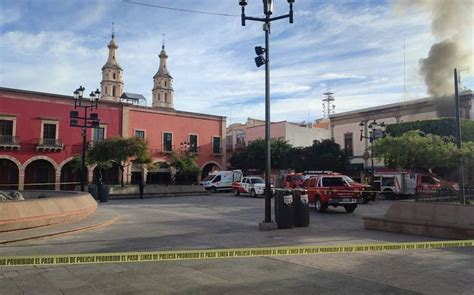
(193, 150)
(163, 150)
(9, 142)
(50, 144)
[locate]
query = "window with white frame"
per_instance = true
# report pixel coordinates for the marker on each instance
(98, 134)
(193, 143)
(7, 131)
(6, 127)
(216, 145)
(167, 141)
(140, 134)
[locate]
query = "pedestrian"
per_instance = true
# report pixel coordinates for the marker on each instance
(141, 188)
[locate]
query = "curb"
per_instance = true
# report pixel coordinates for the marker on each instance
(60, 232)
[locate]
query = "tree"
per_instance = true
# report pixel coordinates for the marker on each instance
(186, 167)
(253, 156)
(322, 155)
(467, 152)
(416, 150)
(119, 150)
(445, 127)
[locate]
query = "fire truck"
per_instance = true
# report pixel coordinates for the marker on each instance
(366, 190)
(395, 184)
(331, 190)
(289, 180)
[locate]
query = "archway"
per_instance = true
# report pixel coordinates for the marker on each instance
(38, 173)
(70, 173)
(110, 176)
(158, 175)
(209, 167)
(137, 173)
(9, 175)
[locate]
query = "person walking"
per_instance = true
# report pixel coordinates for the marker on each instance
(141, 188)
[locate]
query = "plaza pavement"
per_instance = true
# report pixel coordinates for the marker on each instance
(225, 221)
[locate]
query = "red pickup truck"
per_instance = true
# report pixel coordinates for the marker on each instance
(293, 180)
(331, 190)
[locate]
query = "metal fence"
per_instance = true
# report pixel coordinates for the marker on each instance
(445, 195)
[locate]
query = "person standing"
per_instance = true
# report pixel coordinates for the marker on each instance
(141, 188)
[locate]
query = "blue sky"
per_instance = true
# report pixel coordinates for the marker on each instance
(353, 48)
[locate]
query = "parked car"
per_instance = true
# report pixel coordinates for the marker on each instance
(331, 190)
(252, 185)
(221, 180)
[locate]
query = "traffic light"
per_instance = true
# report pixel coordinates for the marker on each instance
(259, 50)
(260, 60)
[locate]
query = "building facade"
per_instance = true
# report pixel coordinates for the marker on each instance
(345, 128)
(298, 135)
(37, 144)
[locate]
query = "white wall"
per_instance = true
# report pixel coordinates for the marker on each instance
(299, 136)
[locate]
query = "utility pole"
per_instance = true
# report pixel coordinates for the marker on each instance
(260, 60)
(458, 138)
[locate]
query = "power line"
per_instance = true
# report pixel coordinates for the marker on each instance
(179, 9)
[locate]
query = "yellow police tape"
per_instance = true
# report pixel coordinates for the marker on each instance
(148, 256)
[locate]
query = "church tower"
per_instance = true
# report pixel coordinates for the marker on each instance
(162, 84)
(112, 74)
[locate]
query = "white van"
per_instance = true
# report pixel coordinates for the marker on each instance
(221, 180)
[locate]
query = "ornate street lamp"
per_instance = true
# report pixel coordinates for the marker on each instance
(85, 122)
(185, 147)
(265, 60)
(375, 131)
(188, 147)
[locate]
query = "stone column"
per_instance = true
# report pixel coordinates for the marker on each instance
(223, 143)
(90, 174)
(21, 180)
(57, 180)
(128, 174)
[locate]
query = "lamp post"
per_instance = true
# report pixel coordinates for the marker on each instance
(259, 61)
(185, 147)
(458, 136)
(375, 131)
(84, 122)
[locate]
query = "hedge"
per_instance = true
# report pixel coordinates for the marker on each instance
(442, 127)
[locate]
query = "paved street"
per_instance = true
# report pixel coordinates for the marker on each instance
(225, 221)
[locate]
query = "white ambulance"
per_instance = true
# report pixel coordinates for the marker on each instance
(221, 180)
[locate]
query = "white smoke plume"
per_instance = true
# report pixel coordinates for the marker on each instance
(452, 25)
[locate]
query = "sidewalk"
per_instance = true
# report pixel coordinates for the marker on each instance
(225, 221)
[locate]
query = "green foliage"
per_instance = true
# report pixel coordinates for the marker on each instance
(253, 156)
(184, 164)
(325, 155)
(186, 167)
(119, 150)
(443, 127)
(467, 152)
(76, 164)
(415, 150)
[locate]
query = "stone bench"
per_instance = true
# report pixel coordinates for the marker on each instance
(30, 213)
(450, 221)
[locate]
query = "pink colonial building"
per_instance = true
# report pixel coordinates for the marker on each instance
(37, 144)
